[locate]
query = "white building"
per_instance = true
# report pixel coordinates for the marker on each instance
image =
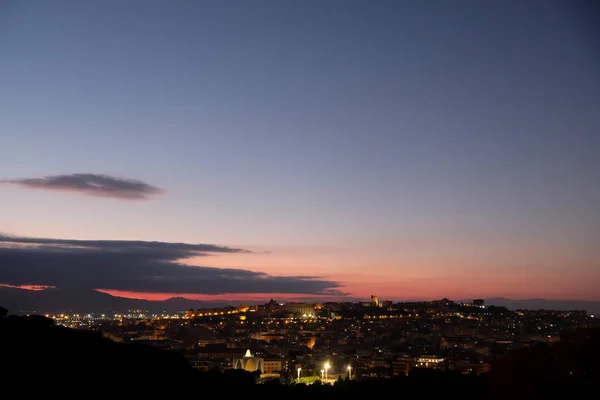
(249, 363)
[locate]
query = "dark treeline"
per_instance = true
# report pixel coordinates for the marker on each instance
(38, 357)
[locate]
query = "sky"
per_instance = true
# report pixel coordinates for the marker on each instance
(255, 149)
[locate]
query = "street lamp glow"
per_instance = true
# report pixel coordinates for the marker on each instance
(322, 374)
(349, 372)
(326, 368)
(299, 369)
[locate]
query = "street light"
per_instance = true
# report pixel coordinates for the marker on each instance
(326, 368)
(322, 374)
(349, 372)
(299, 369)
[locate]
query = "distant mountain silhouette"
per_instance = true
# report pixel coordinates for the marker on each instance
(89, 301)
(20, 301)
(592, 307)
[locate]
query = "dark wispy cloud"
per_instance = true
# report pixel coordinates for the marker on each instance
(137, 266)
(92, 185)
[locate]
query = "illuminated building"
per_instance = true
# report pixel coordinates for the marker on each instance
(214, 352)
(249, 363)
(374, 300)
(300, 310)
(430, 362)
(272, 366)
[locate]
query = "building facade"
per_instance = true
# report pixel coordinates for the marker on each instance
(249, 363)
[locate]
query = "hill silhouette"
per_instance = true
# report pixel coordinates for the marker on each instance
(54, 300)
(591, 306)
(61, 300)
(34, 349)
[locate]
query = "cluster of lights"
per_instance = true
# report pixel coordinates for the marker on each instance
(211, 313)
(382, 316)
(324, 371)
(104, 317)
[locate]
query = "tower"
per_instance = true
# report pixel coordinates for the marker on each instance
(374, 300)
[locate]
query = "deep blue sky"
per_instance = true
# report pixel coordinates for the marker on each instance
(402, 133)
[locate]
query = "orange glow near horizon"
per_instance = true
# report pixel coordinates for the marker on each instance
(35, 288)
(404, 273)
(209, 297)
(393, 291)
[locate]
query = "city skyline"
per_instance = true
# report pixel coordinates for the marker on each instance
(326, 149)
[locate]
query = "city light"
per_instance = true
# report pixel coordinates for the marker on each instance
(161, 329)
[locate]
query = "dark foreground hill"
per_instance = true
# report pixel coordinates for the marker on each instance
(39, 358)
(35, 352)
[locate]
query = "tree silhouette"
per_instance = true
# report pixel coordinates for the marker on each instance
(33, 348)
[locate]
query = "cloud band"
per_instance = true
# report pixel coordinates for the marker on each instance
(92, 185)
(150, 267)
